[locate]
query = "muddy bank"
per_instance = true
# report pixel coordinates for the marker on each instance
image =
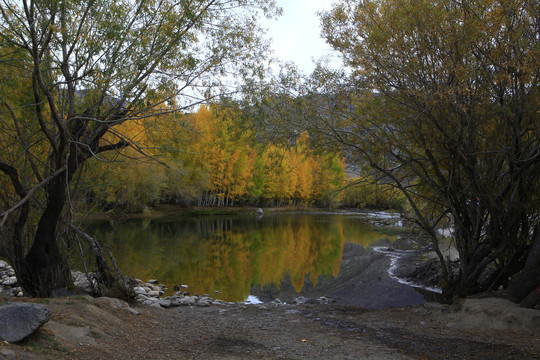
(364, 281)
(85, 328)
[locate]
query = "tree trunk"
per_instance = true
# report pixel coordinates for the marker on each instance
(532, 300)
(44, 269)
(529, 278)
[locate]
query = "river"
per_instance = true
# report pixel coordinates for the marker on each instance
(272, 256)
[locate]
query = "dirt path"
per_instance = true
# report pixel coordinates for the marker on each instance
(83, 328)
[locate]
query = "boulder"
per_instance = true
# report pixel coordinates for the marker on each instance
(19, 320)
(496, 313)
(112, 303)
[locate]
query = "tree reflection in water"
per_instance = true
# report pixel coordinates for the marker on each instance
(230, 254)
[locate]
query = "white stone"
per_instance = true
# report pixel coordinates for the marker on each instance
(133, 311)
(166, 303)
(141, 297)
(203, 303)
(11, 281)
(139, 290)
(150, 302)
(188, 300)
(153, 293)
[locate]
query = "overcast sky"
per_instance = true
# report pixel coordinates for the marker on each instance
(297, 34)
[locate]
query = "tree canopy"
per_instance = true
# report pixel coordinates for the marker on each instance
(443, 102)
(76, 71)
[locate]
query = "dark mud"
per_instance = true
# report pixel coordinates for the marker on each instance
(363, 281)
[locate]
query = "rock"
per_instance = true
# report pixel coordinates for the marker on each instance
(155, 305)
(165, 303)
(18, 320)
(84, 282)
(303, 300)
(153, 293)
(153, 282)
(8, 353)
(75, 335)
(325, 300)
(140, 290)
(188, 300)
(61, 293)
(141, 298)
(10, 281)
(150, 302)
(175, 302)
(496, 313)
(112, 303)
(133, 311)
(204, 303)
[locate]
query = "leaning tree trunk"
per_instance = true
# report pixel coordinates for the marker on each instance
(110, 283)
(44, 269)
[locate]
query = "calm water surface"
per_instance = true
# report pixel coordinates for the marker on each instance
(275, 255)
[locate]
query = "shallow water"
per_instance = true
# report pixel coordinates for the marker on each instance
(283, 256)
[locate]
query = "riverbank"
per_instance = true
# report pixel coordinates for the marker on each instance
(170, 211)
(86, 328)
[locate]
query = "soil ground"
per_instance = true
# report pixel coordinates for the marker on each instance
(86, 328)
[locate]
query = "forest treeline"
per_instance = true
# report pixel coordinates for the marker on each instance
(217, 157)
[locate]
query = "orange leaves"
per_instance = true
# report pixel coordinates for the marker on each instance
(284, 174)
(212, 159)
